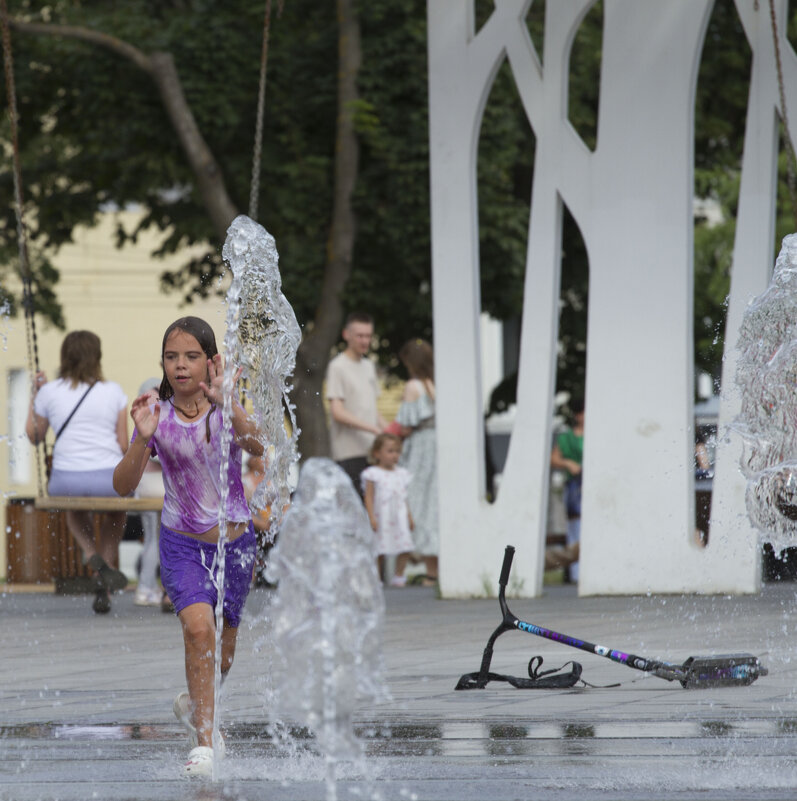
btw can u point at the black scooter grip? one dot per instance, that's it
(509, 554)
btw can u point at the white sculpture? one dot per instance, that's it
(632, 200)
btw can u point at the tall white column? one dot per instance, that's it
(632, 199)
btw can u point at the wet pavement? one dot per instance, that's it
(85, 705)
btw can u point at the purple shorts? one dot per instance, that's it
(188, 571)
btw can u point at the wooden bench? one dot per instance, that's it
(65, 503)
(40, 548)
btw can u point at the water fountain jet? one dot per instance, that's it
(328, 612)
(766, 376)
(261, 340)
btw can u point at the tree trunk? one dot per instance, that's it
(209, 179)
(321, 336)
(160, 67)
(317, 345)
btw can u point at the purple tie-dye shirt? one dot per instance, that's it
(191, 467)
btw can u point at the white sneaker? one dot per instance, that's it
(200, 762)
(182, 711)
(147, 597)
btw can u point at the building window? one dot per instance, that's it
(19, 450)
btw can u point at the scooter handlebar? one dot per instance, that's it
(509, 554)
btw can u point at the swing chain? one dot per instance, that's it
(24, 264)
(254, 190)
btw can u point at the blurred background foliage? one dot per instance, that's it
(95, 137)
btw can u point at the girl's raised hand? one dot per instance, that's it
(145, 418)
(214, 391)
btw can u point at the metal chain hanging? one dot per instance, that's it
(261, 98)
(22, 241)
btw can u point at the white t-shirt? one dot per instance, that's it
(89, 441)
(353, 382)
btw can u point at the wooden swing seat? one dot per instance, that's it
(99, 504)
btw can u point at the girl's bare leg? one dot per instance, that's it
(401, 563)
(110, 537)
(81, 528)
(199, 635)
(229, 637)
(431, 566)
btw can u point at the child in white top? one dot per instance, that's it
(385, 487)
(89, 416)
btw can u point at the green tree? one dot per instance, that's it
(720, 111)
(96, 134)
(180, 142)
(506, 172)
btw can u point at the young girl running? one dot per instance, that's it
(182, 426)
(385, 486)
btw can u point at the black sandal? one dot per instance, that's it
(106, 578)
(102, 602)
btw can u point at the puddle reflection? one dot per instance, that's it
(402, 740)
(717, 728)
(508, 740)
(578, 730)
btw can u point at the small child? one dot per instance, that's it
(385, 486)
(183, 427)
(261, 518)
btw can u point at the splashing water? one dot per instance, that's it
(328, 612)
(261, 337)
(766, 374)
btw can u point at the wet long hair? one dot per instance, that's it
(203, 333)
(81, 354)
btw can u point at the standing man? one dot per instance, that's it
(352, 390)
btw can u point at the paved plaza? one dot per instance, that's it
(85, 705)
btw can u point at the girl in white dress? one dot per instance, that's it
(385, 488)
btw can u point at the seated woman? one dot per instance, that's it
(89, 416)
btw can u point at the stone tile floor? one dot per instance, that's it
(85, 705)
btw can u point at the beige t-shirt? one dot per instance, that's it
(353, 382)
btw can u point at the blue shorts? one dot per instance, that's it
(83, 483)
(188, 571)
